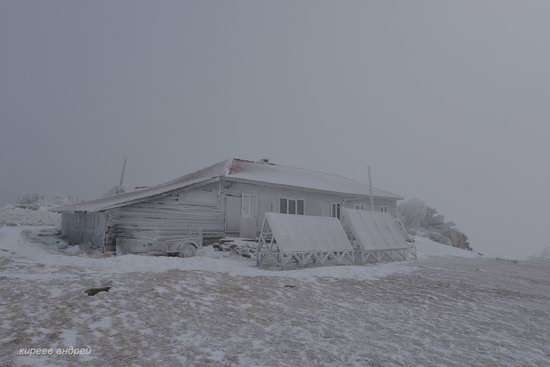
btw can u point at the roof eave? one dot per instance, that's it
(70, 209)
(243, 180)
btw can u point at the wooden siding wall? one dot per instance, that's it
(318, 204)
(166, 218)
(84, 228)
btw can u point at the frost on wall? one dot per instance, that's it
(423, 220)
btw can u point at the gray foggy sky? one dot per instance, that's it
(448, 101)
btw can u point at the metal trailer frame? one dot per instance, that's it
(363, 256)
(156, 247)
(269, 253)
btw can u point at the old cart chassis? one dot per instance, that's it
(151, 246)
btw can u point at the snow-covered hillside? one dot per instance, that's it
(40, 200)
(14, 216)
(448, 308)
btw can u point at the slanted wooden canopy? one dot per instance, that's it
(377, 236)
(300, 240)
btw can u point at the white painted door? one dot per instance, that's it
(233, 214)
(249, 213)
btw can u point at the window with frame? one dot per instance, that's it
(384, 209)
(249, 206)
(335, 210)
(360, 206)
(291, 206)
(198, 198)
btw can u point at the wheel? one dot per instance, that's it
(187, 250)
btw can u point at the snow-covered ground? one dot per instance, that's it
(427, 248)
(219, 309)
(13, 216)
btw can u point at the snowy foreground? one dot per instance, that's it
(458, 310)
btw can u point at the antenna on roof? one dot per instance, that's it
(370, 191)
(123, 171)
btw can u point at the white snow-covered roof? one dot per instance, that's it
(301, 178)
(304, 233)
(117, 200)
(242, 171)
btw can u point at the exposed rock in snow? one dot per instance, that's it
(421, 220)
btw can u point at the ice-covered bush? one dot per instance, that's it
(423, 220)
(36, 201)
(543, 256)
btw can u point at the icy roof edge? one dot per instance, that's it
(197, 178)
(350, 194)
(217, 171)
(386, 194)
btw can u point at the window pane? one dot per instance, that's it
(292, 207)
(300, 207)
(283, 206)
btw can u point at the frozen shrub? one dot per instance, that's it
(423, 220)
(29, 201)
(543, 256)
(36, 201)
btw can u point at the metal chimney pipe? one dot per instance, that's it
(123, 171)
(370, 191)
